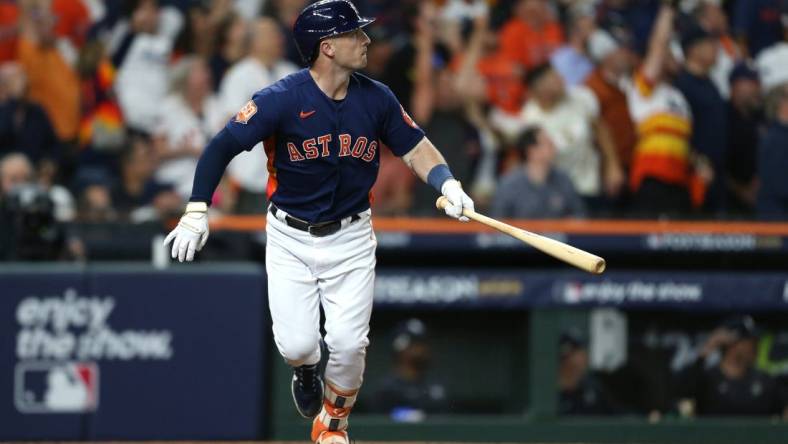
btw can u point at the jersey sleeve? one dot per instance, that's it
(400, 132)
(257, 120)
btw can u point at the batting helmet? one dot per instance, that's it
(326, 18)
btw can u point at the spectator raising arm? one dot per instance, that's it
(423, 99)
(657, 54)
(468, 76)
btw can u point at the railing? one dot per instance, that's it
(569, 226)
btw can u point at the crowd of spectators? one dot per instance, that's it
(543, 108)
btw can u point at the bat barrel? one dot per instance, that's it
(559, 250)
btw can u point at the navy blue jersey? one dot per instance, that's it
(324, 154)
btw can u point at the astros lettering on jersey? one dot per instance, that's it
(323, 154)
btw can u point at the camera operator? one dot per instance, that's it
(28, 229)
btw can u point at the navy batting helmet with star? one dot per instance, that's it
(326, 18)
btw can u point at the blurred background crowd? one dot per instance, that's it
(543, 108)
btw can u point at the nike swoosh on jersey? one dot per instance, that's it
(304, 115)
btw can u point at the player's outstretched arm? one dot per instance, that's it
(429, 165)
(191, 234)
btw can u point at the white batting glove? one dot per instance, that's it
(191, 234)
(457, 198)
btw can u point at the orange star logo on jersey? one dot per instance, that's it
(246, 113)
(407, 118)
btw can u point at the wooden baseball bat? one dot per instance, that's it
(559, 250)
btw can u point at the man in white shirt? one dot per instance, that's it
(263, 66)
(142, 47)
(772, 62)
(571, 119)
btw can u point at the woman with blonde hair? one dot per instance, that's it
(187, 118)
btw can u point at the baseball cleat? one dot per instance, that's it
(307, 390)
(338, 437)
(330, 425)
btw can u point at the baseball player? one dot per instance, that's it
(322, 128)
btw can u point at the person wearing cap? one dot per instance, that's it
(614, 62)
(708, 108)
(580, 393)
(407, 393)
(745, 114)
(731, 386)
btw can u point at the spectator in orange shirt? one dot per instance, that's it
(52, 82)
(484, 64)
(532, 34)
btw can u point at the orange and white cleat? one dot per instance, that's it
(327, 437)
(330, 425)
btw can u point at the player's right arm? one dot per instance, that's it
(256, 121)
(429, 165)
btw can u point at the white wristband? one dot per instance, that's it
(196, 207)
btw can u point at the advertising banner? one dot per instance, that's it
(126, 352)
(631, 290)
(599, 243)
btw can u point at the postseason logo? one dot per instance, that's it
(56, 387)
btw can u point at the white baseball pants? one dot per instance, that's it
(337, 271)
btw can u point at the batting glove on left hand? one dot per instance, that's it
(191, 234)
(457, 198)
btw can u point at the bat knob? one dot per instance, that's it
(442, 203)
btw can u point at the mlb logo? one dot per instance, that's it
(56, 387)
(573, 291)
